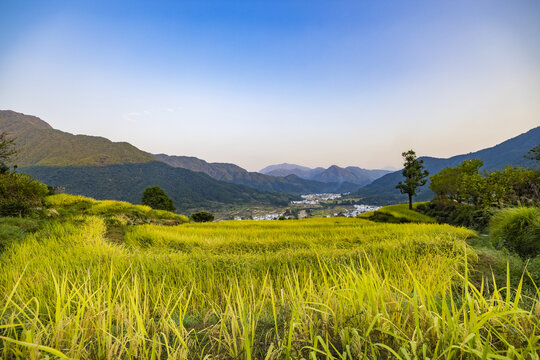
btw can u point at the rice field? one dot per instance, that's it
(335, 288)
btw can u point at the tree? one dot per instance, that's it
(19, 193)
(156, 198)
(202, 216)
(7, 151)
(534, 153)
(414, 174)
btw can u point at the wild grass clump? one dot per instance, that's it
(312, 289)
(518, 230)
(76, 205)
(66, 200)
(398, 214)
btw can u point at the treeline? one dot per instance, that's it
(465, 183)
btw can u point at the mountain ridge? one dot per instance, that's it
(510, 152)
(97, 167)
(235, 174)
(334, 173)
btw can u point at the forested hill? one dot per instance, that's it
(291, 184)
(39, 144)
(510, 152)
(100, 168)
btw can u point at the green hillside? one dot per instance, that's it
(510, 152)
(189, 190)
(97, 167)
(39, 144)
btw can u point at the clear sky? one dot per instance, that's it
(263, 82)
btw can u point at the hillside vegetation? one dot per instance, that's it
(319, 288)
(508, 153)
(398, 214)
(189, 190)
(102, 169)
(38, 144)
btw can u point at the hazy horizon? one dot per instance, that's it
(262, 83)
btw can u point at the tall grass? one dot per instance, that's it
(400, 213)
(324, 288)
(74, 205)
(517, 229)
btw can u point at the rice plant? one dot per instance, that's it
(314, 289)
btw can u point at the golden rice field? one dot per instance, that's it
(334, 288)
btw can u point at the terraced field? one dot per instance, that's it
(335, 288)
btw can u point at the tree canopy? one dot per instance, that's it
(7, 151)
(202, 216)
(156, 198)
(414, 173)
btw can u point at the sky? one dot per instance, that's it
(316, 83)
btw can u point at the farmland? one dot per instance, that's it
(334, 288)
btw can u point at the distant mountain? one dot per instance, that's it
(510, 152)
(334, 174)
(289, 183)
(97, 167)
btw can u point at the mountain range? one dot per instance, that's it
(97, 167)
(287, 183)
(349, 174)
(508, 153)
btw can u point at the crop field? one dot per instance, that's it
(332, 288)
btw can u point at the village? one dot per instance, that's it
(315, 205)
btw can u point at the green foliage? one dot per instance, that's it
(534, 153)
(14, 229)
(7, 151)
(156, 198)
(414, 174)
(458, 214)
(190, 191)
(19, 194)
(202, 216)
(465, 183)
(517, 229)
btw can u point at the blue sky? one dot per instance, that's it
(262, 82)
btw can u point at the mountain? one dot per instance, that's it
(510, 152)
(334, 174)
(290, 183)
(39, 144)
(97, 167)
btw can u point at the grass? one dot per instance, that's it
(517, 229)
(334, 288)
(398, 214)
(75, 205)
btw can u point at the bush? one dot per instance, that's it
(19, 194)
(156, 198)
(453, 213)
(202, 216)
(518, 230)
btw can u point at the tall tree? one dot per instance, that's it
(7, 152)
(414, 173)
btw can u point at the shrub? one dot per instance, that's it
(202, 216)
(518, 230)
(453, 213)
(156, 198)
(19, 194)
